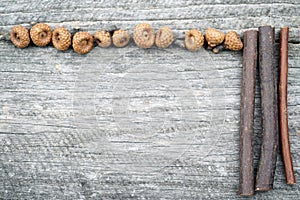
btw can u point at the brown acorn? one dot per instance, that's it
(214, 37)
(164, 37)
(41, 34)
(193, 40)
(61, 39)
(19, 36)
(233, 41)
(144, 36)
(82, 42)
(121, 38)
(102, 38)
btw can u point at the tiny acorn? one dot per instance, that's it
(233, 41)
(82, 42)
(144, 36)
(193, 40)
(214, 37)
(61, 38)
(41, 34)
(120, 38)
(103, 38)
(19, 36)
(164, 37)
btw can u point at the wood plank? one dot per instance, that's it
(133, 123)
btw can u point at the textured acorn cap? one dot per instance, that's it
(19, 36)
(214, 37)
(121, 38)
(193, 40)
(144, 36)
(41, 34)
(233, 41)
(103, 38)
(164, 37)
(82, 42)
(61, 39)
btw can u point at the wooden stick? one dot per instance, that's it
(268, 154)
(283, 112)
(246, 185)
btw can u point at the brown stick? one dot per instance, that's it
(246, 185)
(268, 154)
(283, 112)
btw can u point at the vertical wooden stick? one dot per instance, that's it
(283, 112)
(268, 154)
(246, 185)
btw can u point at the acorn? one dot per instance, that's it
(233, 41)
(120, 38)
(214, 37)
(144, 36)
(164, 37)
(19, 36)
(102, 38)
(41, 34)
(193, 40)
(61, 38)
(82, 42)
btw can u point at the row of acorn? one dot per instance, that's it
(144, 37)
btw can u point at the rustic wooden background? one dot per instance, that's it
(131, 123)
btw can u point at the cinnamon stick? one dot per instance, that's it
(268, 154)
(246, 184)
(283, 111)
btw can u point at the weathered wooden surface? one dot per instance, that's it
(132, 123)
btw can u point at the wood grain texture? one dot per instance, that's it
(131, 123)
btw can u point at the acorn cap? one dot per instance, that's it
(19, 36)
(103, 38)
(41, 34)
(144, 36)
(121, 38)
(233, 41)
(61, 38)
(82, 42)
(164, 37)
(193, 40)
(214, 37)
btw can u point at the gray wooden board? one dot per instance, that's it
(131, 123)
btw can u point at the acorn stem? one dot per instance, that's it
(179, 43)
(219, 48)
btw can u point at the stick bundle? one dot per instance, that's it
(283, 113)
(267, 162)
(246, 185)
